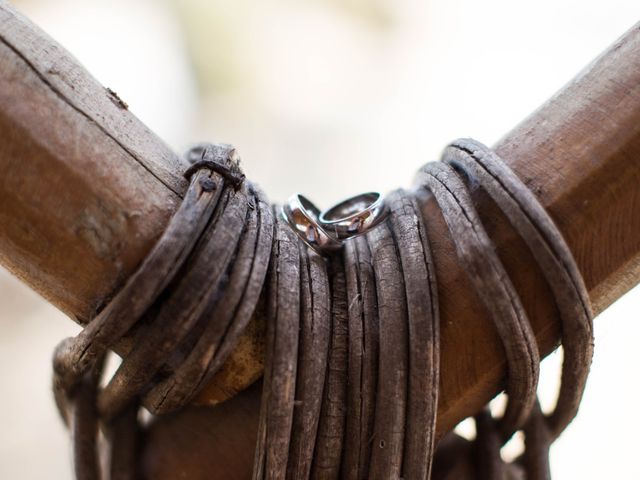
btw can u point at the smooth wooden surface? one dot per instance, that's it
(86, 189)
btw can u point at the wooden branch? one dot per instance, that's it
(86, 190)
(580, 154)
(86, 187)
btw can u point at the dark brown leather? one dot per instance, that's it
(352, 367)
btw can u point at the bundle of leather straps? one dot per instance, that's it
(352, 369)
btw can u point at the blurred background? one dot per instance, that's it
(329, 98)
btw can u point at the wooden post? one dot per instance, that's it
(86, 189)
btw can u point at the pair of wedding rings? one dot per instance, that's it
(326, 231)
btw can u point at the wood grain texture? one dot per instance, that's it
(580, 155)
(86, 189)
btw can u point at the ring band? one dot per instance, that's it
(354, 216)
(302, 216)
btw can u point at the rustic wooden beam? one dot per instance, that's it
(86, 189)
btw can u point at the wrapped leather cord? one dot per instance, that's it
(352, 368)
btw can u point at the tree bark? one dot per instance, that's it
(86, 189)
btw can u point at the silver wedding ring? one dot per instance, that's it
(325, 232)
(302, 216)
(354, 216)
